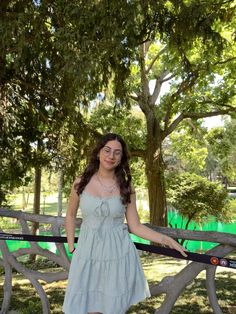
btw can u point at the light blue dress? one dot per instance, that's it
(105, 274)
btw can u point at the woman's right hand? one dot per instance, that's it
(173, 245)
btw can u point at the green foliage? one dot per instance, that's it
(118, 119)
(232, 207)
(195, 56)
(188, 148)
(7, 224)
(198, 199)
(194, 148)
(55, 58)
(221, 151)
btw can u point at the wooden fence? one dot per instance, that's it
(171, 286)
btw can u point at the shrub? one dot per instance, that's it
(198, 199)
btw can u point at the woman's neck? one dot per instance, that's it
(106, 174)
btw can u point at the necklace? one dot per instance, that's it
(108, 189)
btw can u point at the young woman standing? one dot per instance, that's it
(105, 273)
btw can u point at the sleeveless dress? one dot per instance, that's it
(105, 273)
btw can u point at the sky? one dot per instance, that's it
(213, 122)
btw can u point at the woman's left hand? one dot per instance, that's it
(173, 245)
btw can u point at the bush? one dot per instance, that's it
(198, 199)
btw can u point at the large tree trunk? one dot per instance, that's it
(155, 174)
(156, 192)
(154, 161)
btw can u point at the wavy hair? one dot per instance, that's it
(122, 171)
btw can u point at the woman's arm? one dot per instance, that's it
(144, 232)
(71, 216)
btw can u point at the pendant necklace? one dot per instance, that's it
(108, 189)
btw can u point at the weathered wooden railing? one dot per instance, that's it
(171, 286)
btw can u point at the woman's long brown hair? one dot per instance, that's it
(122, 171)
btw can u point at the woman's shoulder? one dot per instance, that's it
(76, 182)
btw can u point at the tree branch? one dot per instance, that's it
(145, 94)
(199, 115)
(168, 78)
(173, 126)
(157, 88)
(146, 46)
(167, 116)
(35, 88)
(194, 115)
(155, 59)
(225, 61)
(184, 85)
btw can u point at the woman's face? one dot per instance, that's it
(110, 155)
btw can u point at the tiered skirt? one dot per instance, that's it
(106, 274)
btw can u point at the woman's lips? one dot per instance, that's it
(110, 162)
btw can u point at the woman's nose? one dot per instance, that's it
(112, 154)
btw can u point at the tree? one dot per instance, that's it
(221, 152)
(187, 149)
(195, 53)
(32, 101)
(53, 60)
(198, 199)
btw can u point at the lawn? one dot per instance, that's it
(48, 207)
(193, 301)
(48, 203)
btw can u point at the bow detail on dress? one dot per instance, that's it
(102, 210)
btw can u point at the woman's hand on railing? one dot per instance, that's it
(171, 243)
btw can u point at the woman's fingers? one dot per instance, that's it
(182, 251)
(175, 245)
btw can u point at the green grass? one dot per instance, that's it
(48, 207)
(192, 301)
(48, 203)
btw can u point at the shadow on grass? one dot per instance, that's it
(26, 301)
(152, 260)
(193, 300)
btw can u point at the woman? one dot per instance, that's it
(105, 273)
